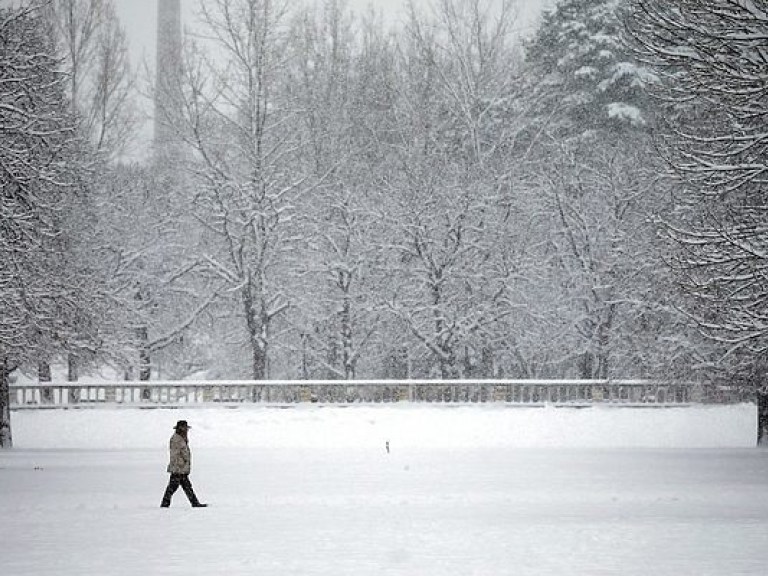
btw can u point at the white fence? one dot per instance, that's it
(517, 392)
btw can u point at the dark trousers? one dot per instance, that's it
(173, 485)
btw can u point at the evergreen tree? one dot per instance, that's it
(597, 173)
(587, 80)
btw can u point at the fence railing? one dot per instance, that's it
(518, 392)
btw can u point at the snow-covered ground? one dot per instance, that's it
(480, 490)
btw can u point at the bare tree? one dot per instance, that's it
(605, 254)
(92, 49)
(710, 63)
(95, 53)
(42, 301)
(336, 268)
(596, 171)
(238, 117)
(455, 125)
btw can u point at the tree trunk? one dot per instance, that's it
(347, 343)
(142, 333)
(448, 369)
(263, 340)
(469, 367)
(586, 366)
(253, 322)
(6, 439)
(603, 341)
(304, 365)
(145, 357)
(43, 372)
(487, 363)
(72, 368)
(331, 360)
(447, 356)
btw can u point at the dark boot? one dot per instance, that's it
(187, 487)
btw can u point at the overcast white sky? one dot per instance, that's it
(139, 16)
(139, 19)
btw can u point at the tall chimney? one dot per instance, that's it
(167, 71)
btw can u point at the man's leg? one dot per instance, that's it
(186, 485)
(173, 485)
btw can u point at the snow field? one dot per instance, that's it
(404, 425)
(313, 491)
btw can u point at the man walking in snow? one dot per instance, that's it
(180, 466)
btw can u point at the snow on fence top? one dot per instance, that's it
(237, 392)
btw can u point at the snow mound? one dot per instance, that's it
(406, 425)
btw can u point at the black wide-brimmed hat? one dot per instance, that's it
(182, 424)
